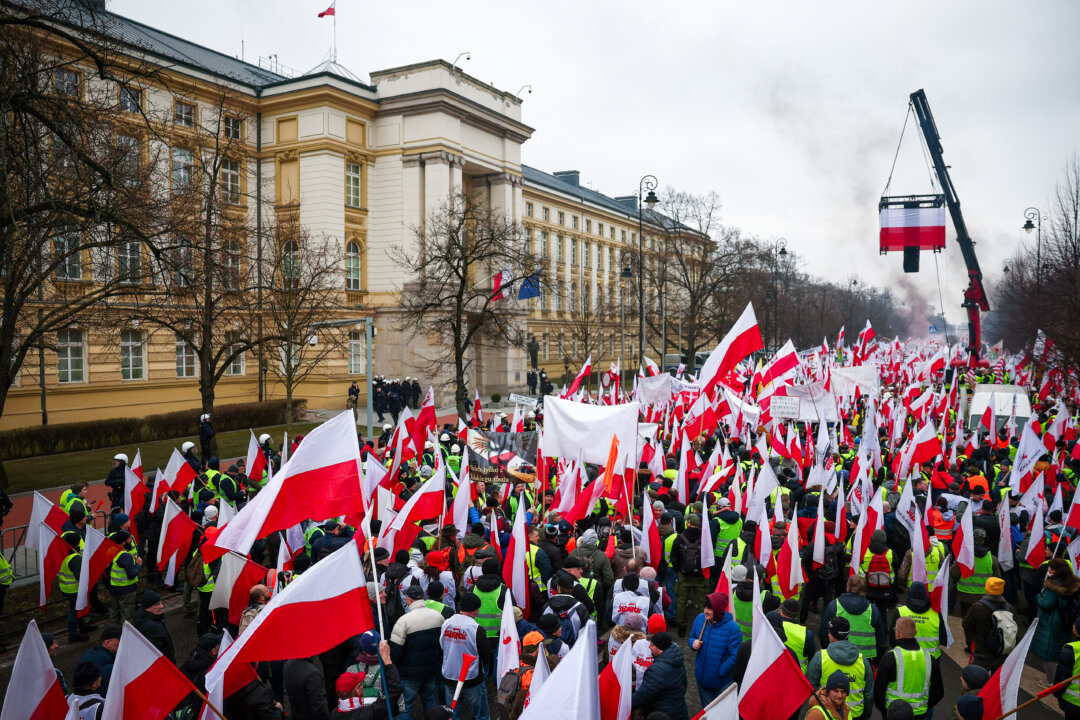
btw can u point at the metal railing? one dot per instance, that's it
(13, 539)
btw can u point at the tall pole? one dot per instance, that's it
(369, 337)
(647, 183)
(779, 251)
(1032, 213)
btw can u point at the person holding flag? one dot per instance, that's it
(716, 638)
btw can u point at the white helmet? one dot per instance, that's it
(204, 417)
(187, 446)
(264, 438)
(530, 414)
(387, 426)
(121, 456)
(427, 444)
(455, 448)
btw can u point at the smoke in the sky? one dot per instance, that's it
(915, 311)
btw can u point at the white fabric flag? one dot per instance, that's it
(572, 429)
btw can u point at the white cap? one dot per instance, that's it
(455, 448)
(427, 444)
(264, 438)
(724, 502)
(387, 426)
(445, 437)
(121, 456)
(187, 446)
(204, 416)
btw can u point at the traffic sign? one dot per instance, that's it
(933, 329)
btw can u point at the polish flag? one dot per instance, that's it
(649, 368)
(320, 481)
(922, 228)
(329, 10)
(136, 465)
(783, 363)
(478, 412)
(500, 285)
(919, 541)
(939, 597)
(514, 569)
(256, 459)
(989, 418)
(651, 544)
(49, 562)
(724, 707)
(425, 421)
(217, 692)
(682, 481)
(426, 503)
(331, 596)
(585, 371)
(44, 512)
(178, 473)
(509, 653)
(707, 557)
(98, 552)
(1028, 452)
(401, 445)
(775, 686)
(743, 339)
(375, 476)
(232, 586)
(144, 683)
(134, 499)
(40, 696)
(1036, 550)
(177, 531)
(617, 686)
(963, 544)
(924, 447)
(869, 521)
(1005, 545)
(159, 489)
(840, 519)
(573, 688)
(999, 695)
(788, 564)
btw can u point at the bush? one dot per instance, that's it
(74, 437)
(496, 398)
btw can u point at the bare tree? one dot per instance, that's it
(590, 328)
(449, 295)
(302, 293)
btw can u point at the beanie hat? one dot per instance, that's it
(662, 640)
(85, 674)
(369, 642)
(975, 676)
(150, 599)
(657, 624)
(381, 554)
(738, 573)
(48, 639)
(111, 632)
(209, 641)
(469, 602)
(838, 680)
(917, 591)
(790, 607)
(210, 514)
(901, 710)
(995, 586)
(78, 513)
(435, 559)
(549, 623)
(414, 592)
(839, 628)
(490, 567)
(119, 519)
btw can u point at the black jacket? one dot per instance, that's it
(886, 673)
(153, 629)
(306, 691)
(254, 701)
(680, 551)
(194, 668)
(663, 687)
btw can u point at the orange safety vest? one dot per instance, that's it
(943, 529)
(978, 481)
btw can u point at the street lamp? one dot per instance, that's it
(779, 253)
(647, 183)
(1033, 214)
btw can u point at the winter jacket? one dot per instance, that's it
(680, 550)
(720, 645)
(855, 605)
(843, 652)
(153, 629)
(817, 710)
(887, 674)
(593, 556)
(1052, 632)
(194, 669)
(414, 643)
(979, 621)
(104, 659)
(663, 686)
(254, 701)
(306, 690)
(623, 555)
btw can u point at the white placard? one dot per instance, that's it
(523, 400)
(782, 406)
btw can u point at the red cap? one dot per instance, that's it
(348, 682)
(656, 624)
(436, 559)
(211, 532)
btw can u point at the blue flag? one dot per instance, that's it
(530, 288)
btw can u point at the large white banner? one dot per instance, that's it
(572, 429)
(654, 390)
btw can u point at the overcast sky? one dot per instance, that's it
(790, 110)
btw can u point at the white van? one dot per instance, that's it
(1004, 396)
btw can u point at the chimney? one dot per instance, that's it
(571, 176)
(628, 201)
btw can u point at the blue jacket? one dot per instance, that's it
(720, 645)
(104, 660)
(663, 686)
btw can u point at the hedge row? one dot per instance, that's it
(73, 437)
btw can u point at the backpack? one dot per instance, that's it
(194, 573)
(879, 573)
(1002, 637)
(691, 557)
(831, 569)
(509, 696)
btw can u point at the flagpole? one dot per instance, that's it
(1042, 693)
(206, 700)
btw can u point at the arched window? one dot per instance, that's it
(352, 266)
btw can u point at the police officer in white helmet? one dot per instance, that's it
(116, 480)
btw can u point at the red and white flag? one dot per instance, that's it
(329, 11)
(743, 339)
(177, 532)
(98, 552)
(178, 473)
(478, 412)
(788, 565)
(651, 542)
(320, 481)
(617, 687)
(144, 684)
(136, 465)
(1028, 452)
(585, 371)
(707, 558)
(509, 653)
(724, 707)
(923, 228)
(39, 695)
(500, 285)
(648, 368)
(232, 586)
(425, 421)
(255, 463)
(963, 543)
(989, 418)
(1005, 544)
(999, 694)
(573, 689)
(331, 596)
(1036, 550)
(134, 498)
(49, 562)
(43, 512)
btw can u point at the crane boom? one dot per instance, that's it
(975, 300)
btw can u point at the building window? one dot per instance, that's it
(547, 347)
(290, 265)
(66, 82)
(70, 356)
(184, 114)
(230, 181)
(543, 298)
(543, 244)
(573, 297)
(231, 268)
(129, 160)
(624, 236)
(352, 185)
(559, 296)
(588, 226)
(352, 266)
(528, 210)
(611, 258)
(573, 251)
(130, 99)
(233, 127)
(183, 170)
(574, 220)
(129, 261)
(546, 214)
(600, 229)
(587, 253)
(68, 255)
(611, 232)
(183, 263)
(132, 355)
(559, 248)
(357, 352)
(233, 341)
(562, 219)
(185, 358)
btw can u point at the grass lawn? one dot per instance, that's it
(51, 471)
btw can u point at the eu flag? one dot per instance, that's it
(530, 288)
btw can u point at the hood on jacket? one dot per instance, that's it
(472, 542)
(854, 604)
(718, 603)
(744, 591)
(672, 656)
(777, 621)
(487, 583)
(588, 540)
(729, 516)
(878, 546)
(918, 598)
(980, 551)
(843, 652)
